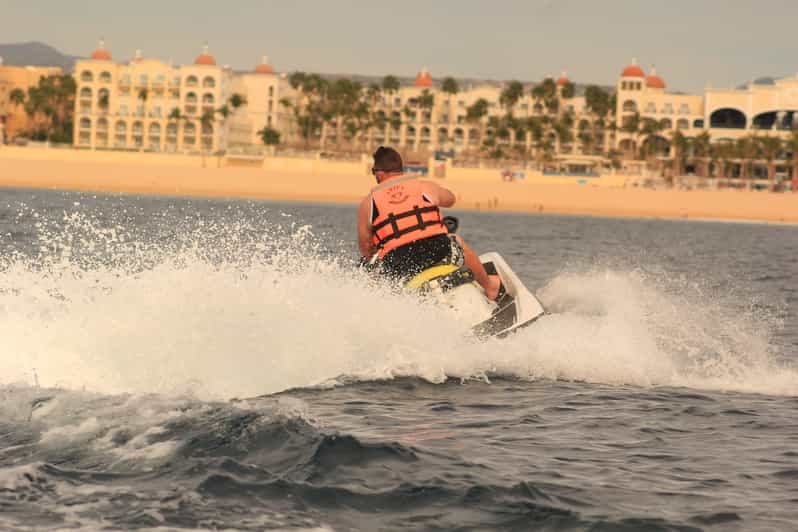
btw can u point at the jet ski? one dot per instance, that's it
(455, 287)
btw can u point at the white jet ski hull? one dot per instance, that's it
(517, 308)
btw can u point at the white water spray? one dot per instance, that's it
(236, 310)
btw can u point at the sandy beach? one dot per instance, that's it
(323, 181)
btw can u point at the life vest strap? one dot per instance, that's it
(396, 232)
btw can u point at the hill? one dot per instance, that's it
(35, 54)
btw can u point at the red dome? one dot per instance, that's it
(633, 71)
(101, 54)
(264, 67)
(655, 82)
(205, 59)
(423, 79)
(563, 80)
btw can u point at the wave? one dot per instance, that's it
(231, 307)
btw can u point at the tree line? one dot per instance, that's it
(723, 158)
(50, 105)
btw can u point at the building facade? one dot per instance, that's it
(146, 104)
(725, 114)
(262, 90)
(13, 118)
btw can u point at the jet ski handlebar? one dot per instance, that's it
(451, 223)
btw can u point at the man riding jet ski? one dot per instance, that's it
(402, 234)
(401, 222)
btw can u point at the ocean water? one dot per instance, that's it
(170, 363)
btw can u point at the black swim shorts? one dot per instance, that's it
(410, 259)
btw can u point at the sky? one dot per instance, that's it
(693, 43)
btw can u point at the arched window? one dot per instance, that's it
(443, 135)
(191, 81)
(727, 118)
(138, 128)
(171, 130)
(121, 127)
(207, 130)
(191, 98)
(411, 132)
(627, 146)
(208, 82)
(629, 106)
(103, 98)
(85, 123)
(666, 123)
(102, 125)
(154, 129)
(85, 93)
(473, 136)
(425, 133)
(698, 123)
(682, 123)
(190, 129)
(458, 136)
(208, 99)
(86, 76)
(105, 76)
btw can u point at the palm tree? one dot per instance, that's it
(450, 87)
(390, 84)
(701, 149)
(236, 100)
(103, 102)
(650, 130)
(206, 124)
(308, 110)
(535, 128)
(510, 96)
(176, 117)
(426, 100)
(679, 147)
(631, 126)
(770, 148)
(723, 151)
(50, 104)
(475, 114)
(746, 150)
(269, 136)
(17, 96)
(792, 145)
(568, 90)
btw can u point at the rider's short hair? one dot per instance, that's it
(388, 160)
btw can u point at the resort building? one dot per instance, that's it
(262, 90)
(13, 118)
(422, 117)
(726, 114)
(146, 104)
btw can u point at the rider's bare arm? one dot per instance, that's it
(442, 196)
(364, 241)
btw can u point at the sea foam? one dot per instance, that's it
(240, 308)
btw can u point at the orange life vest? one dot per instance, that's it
(402, 213)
